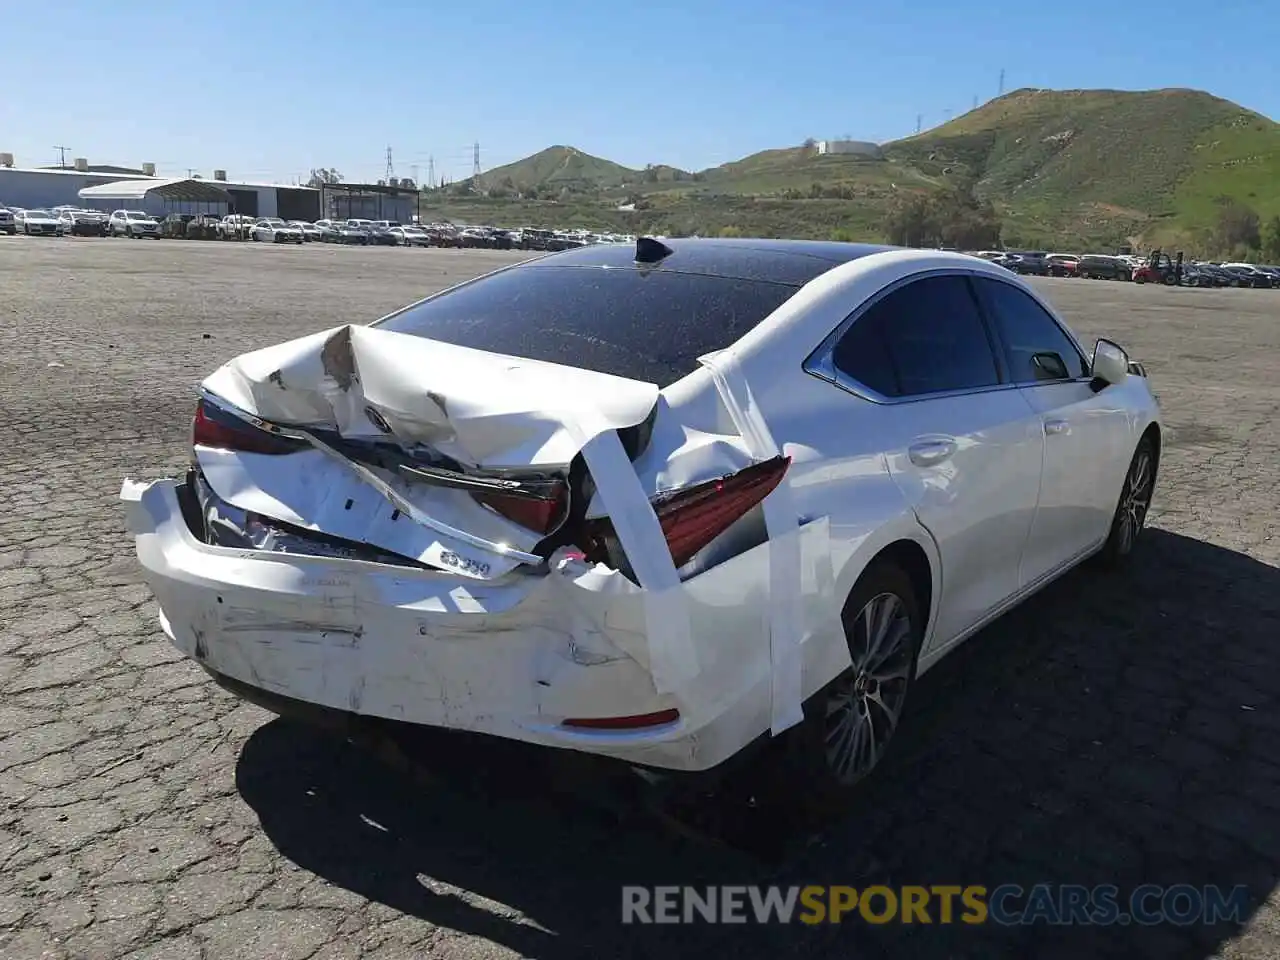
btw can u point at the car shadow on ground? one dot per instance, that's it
(1116, 729)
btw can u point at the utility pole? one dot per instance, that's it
(431, 171)
(1002, 81)
(919, 120)
(475, 161)
(975, 101)
(63, 151)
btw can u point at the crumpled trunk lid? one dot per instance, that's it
(360, 387)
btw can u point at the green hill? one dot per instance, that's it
(1062, 167)
(1160, 160)
(561, 166)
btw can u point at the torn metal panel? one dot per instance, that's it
(480, 408)
(477, 408)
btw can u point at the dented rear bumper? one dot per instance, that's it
(512, 657)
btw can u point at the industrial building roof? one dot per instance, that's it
(72, 172)
(184, 189)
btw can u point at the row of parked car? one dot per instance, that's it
(75, 221)
(1157, 267)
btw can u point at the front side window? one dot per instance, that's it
(1036, 348)
(925, 337)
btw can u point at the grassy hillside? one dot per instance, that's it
(561, 166)
(1154, 160)
(1063, 168)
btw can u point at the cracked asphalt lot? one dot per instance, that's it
(1116, 729)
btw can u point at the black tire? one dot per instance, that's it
(827, 745)
(1132, 506)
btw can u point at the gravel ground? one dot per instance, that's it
(1114, 729)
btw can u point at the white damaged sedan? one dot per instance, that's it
(655, 501)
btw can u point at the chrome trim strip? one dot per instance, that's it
(369, 477)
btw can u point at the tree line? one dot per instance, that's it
(954, 217)
(1241, 234)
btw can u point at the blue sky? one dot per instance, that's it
(282, 86)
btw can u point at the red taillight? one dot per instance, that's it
(693, 517)
(213, 428)
(640, 721)
(540, 516)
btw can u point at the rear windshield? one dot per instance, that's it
(644, 326)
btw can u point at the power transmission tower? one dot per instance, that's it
(919, 120)
(63, 151)
(475, 160)
(391, 170)
(975, 101)
(431, 171)
(1002, 81)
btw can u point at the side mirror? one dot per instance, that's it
(1110, 364)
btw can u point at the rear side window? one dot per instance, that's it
(649, 326)
(925, 337)
(1035, 346)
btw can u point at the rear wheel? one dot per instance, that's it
(1135, 501)
(849, 725)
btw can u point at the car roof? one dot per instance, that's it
(793, 262)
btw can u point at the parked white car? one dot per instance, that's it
(275, 230)
(410, 236)
(133, 223)
(310, 231)
(651, 502)
(235, 226)
(38, 223)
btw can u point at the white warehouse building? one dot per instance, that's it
(859, 148)
(36, 187)
(33, 187)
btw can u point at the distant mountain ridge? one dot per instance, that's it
(1054, 162)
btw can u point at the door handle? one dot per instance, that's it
(927, 453)
(1056, 427)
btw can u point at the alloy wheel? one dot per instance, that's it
(865, 704)
(1136, 499)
